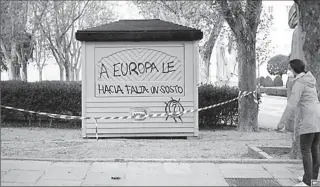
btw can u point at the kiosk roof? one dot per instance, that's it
(139, 30)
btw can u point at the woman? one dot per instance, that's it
(305, 100)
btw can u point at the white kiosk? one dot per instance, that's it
(133, 67)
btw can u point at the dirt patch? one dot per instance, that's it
(68, 144)
(277, 152)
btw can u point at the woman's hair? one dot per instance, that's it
(298, 66)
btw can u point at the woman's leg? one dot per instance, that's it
(306, 141)
(315, 150)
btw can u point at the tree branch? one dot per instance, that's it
(162, 2)
(238, 13)
(215, 31)
(236, 8)
(253, 12)
(74, 20)
(228, 16)
(52, 47)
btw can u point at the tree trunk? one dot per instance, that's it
(295, 152)
(40, 74)
(248, 110)
(71, 73)
(207, 65)
(24, 71)
(244, 26)
(61, 73)
(13, 65)
(77, 74)
(11, 70)
(309, 12)
(67, 70)
(289, 126)
(309, 20)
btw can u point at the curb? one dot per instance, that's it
(217, 161)
(258, 153)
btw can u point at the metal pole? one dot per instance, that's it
(96, 121)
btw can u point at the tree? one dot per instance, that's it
(11, 27)
(198, 14)
(59, 28)
(263, 41)
(59, 20)
(309, 12)
(308, 16)
(19, 21)
(243, 18)
(278, 65)
(3, 65)
(41, 53)
(263, 45)
(97, 13)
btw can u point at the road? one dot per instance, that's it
(271, 110)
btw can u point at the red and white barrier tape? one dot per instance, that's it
(241, 94)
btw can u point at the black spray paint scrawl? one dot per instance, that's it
(175, 107)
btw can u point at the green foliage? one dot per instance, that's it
(275, 91)
(263, 39)
(196, 14)
(222, 115)
(278, 81)
(52, 97)
(3, 65)
(268, 82)
(203, 15)
(65, 98)
(278, 65)
(261, 80)
(13, 18)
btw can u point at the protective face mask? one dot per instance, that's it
(290, 74)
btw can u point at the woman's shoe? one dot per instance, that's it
(301, 184)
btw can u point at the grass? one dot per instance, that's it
(36, 142)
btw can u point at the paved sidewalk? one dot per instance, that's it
(43, 173)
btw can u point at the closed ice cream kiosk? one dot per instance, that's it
(139, 67)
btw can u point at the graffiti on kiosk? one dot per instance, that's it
(139, 71)
(136, 90)
(134, 68)
(175, 107)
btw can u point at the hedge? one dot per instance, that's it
(223, 115)
(268, 82)
(262, 81)
(47, 96)
(65, 98)
(275, 91)
(278, 81)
